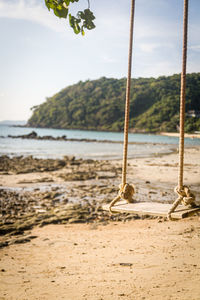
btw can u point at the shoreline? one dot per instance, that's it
(46, 188)
(131, 130)
(176, 134)
(94, 146)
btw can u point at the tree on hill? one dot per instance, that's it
(99, 105)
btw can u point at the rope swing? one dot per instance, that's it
(126, 191)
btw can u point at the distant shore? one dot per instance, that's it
(131, 130)
(176, 134)
(34, 135)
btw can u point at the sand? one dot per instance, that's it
(137, 259)
(176, 134)
(141, 259)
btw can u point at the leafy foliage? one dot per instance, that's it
(99, 105)
(83, 20)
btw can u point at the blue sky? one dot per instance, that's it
(40, 54)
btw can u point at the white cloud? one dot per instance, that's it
(151, 28)
(108, 59)
(159, 68)
(31, 11)
(195, 48)
(151, 47)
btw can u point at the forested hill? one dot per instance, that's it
(99, 104)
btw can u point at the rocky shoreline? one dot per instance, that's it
(89, 186)
(21, 210)
(38, 192)
(33, 135)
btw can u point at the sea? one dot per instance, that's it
(142, 145)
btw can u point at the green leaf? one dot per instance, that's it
(84, 19)
(62, 12)
(74, 23)
(67, 2)
(82, 31)
(56, 12)
(52, 5)
(89, 14)
(47, 4)
(71, 20)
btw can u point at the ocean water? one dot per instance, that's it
(144, 144)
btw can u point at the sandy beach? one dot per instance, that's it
(85, 253)
(190, 135)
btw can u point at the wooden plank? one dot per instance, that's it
(152, 209)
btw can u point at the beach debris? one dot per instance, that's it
(126, 264)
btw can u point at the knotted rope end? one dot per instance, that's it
(185, 197)
(126, 192)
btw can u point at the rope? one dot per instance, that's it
(127, 109)
(125, 192)
(187, 198)
(128, 86)
(182, 95)
(184, 195)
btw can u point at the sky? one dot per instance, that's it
(40, 54)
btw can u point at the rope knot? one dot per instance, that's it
(126, 192)
(186, 197)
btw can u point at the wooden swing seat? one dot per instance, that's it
(151, 209)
